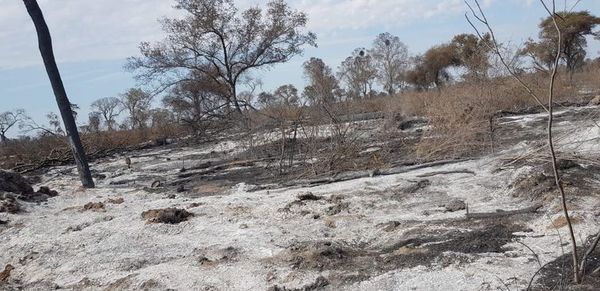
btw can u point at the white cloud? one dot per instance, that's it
(85, 30)
(82, 30)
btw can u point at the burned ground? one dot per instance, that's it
(485, 223)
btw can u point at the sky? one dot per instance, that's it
(92, 39)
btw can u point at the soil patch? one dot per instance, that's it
(14, 183)
(558, 274)
(167, 215)
(539, 184)
(345, 260)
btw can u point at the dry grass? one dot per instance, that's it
(460, 114)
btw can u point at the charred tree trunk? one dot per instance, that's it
(45, 46)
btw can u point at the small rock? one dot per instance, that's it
(330, 223)
(243, 226)
(390, 226)
(195, 204)
(180, 189)
(455, 205)
(308, 196)
(47, 191)
(167, 215)
(93, 206)
(422, 184)
(156, 184)
(119, 200)
(337, 208)
(9, 203)
(172, 196)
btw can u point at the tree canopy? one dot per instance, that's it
(218, 42)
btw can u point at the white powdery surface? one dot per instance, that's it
(57, 244)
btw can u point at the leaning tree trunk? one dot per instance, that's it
(45, 46)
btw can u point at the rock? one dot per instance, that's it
(455, 205)
(99, 176)
(195, 204)
(93, 206)
(243, 226)
(422, 184)
(595, 101)
(167, 215)
(390, 226)
(180, 189)
(308, 196)
(9, 203)
(337, 208)
(47, 191)
(330, 223)
(156, 184)
(119, 200)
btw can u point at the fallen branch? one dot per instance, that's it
(347, 176)
(503, 213)
(463, 171)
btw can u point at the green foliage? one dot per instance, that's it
(574, 27)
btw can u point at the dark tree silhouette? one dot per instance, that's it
(45, 46)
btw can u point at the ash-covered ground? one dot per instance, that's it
(488, 223)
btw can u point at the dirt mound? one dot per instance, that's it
(14, 183)
(167, 215)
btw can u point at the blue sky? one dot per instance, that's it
(93, 38)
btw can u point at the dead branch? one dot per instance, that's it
(462, 171)
(503, 213)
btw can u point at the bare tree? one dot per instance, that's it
(109, 108)
(323, 86)
(45, 46)
(220, 43)
(287, 95)
(53, 127)
(359, 73)
(94, 121)
(554, 18)
(9, 119)
(137, 103)
(391, 60)
(195, 103)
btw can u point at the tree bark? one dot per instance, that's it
(45, 46)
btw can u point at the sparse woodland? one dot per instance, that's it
(382, 109)
(200, 81)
